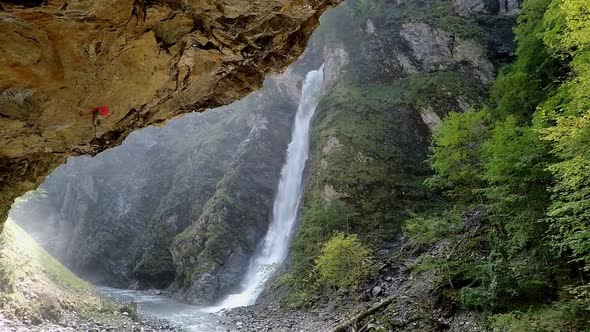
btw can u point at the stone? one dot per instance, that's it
(430, 46)
(430, 118)
(376, 291)
(469, 8)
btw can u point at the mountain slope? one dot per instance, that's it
(36, 287)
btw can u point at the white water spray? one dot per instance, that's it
(274, 248)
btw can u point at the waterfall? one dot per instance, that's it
(273, 250)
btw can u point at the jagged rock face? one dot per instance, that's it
(405, 69)
(212, 255)
(435, 49)
(148, 61)
(111, 220)
(468, 8)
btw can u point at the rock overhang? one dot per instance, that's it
(148, 61)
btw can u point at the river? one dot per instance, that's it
(191, 318)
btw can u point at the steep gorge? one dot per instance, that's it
(211, 166)
(389, 81)
(395, 72)
(398, 71)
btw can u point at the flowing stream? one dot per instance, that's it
(189, 317)
(274, 248)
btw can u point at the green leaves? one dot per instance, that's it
(343, 262)
(569, 212)
(567, 27)
(525, 161)
(456, 151)
(426, 229)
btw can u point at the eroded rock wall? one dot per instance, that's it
(148, 61)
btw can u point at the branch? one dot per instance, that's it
(362, 315)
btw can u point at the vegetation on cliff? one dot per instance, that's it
(111, 220)
(503, 230)
(521, 164)
(370, 139)
(489, 223)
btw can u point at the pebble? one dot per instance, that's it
(376, 291)
(72, 321)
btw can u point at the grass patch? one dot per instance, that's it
(562, 316)
(423, 230)
(36, 285)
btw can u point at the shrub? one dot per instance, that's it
(130, 309)
(568, 214)
(426, 229)
(563, 316)
(343, 263)
(456, 151)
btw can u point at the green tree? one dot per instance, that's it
(456, 156)
(569, 213)
(515, 170)
(523, 85)
(567, 117)
(567, 27)
(529, 158)
(343, 262)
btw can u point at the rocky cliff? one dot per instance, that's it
(392, 72)
(102, 216)
(113, 221)
(148, 61)
(400, 68)
(212, 254)
(397, 71)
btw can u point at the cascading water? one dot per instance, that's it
(274, 248)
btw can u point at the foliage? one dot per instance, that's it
(524, 163)
(131, 310)
(563, 316)
(567, 117)
(567, 27)
(520, 87)
(319, 222)
(343, 262)
(438, 13)
(455, 155)
(569, 212)
(300, 294)
(516, 170)
(515, 162)
(22, 260)
(426, 229)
